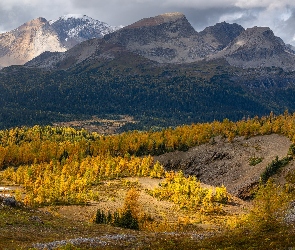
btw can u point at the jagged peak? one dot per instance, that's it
(172, 15)
(36, 21)
(76, 16)
(157, 20)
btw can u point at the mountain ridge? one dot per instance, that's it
(167, 38)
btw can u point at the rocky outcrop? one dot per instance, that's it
(28, 41)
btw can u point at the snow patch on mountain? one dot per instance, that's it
(76, 28)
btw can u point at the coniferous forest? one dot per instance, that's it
(155, 95)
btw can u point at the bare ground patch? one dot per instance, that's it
(228, 163)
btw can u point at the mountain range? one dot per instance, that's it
(159, 70)
(170, 38)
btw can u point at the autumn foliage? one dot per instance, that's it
(60, 165)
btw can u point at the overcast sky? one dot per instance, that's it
(279, 15)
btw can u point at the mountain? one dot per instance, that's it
(258, 47)
(170, 38)
(28, 41)
(221, 34)
(73, 29)
(167, 38)
(39, 35)
(87, 54)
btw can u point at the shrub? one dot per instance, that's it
(188, 193)
(127, 217)
(254, 160)
(273, 167)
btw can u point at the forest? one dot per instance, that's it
(154, 95)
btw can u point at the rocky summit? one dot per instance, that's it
(74, 29)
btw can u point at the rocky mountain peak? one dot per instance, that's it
(262, 36)
(167, 38)
(35, 23)
(76, 28)
(221, 34)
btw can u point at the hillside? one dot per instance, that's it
(223, 163)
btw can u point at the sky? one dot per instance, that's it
(279, 15)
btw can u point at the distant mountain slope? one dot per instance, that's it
(90, 53)
(153, 94)
(258, 47)
(37, 36)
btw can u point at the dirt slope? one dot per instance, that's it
(221, 162)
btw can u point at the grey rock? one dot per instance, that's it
(36, 219)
